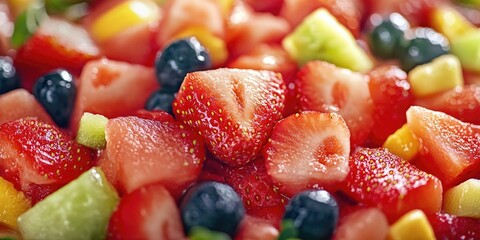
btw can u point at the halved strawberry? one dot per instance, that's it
(324, 87)
(20, 103)
(147, 213)
(381, 179)
(449, 147)
(39, 153)
(212, 170)
(56, 44)
(308, 150)
(233, 110)
(462, 103)
(253, 228)
(389, 89)
(448, 226)
(141, 152)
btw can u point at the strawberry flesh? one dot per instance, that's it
(448, 226)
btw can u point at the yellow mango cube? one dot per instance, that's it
(403, 143)
(463, 199)
(450, 22)
(414, 225)
(12, 203)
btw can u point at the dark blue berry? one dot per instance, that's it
(56, 92)
(314, 214)
(422, 45)
(179, 58)
(9, 79)
(387, 34)
(160, 100)
(214, 206)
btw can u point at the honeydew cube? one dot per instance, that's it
(91, 132)
(463, 199)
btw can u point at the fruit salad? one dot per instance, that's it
(239, 119)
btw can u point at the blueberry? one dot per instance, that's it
(160, 100)
(387, 34)
(9, 79)
(314, 214)
(56, 92)
(422, 45)
(179, 58)
(214, 206)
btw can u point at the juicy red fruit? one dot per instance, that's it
(381, 179)
(448, 226)
(233, 110)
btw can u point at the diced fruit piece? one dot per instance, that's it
(312, 215)
(20, 103)
(56, 91)
(161, 100)
(326, 88)
(335, 45)
(233, 110)
(449, 147)
(91, 132)
(449, 22)
(272, 6)
(412, 225)
(448, 226)
(12, 203)
(387, 34)
(9, 78)
(381, 179)
(179, 58)
(308, 150)
(40, 153)
(467, 49)
(103, 86)
(79, 210)
(422, 45)
(442, 74)
(464, 199)
(171, 155)
(363, 224)
(214, 206)
(255, 228)
(462, 103)
(123, 16)
(403, 143)
(390, 92)
(147, 213)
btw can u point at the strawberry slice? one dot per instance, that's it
(233, 110)
(381, 179)
(462, 103)
(147, 213)
(324, 87)
(308, 150)
(449, 147)
(39, 153)
(448, 226)
(389, 89)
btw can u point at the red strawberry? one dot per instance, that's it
(381, 179)
(147, 213)
(462, 103)
(39, 153)
(212, 170)
(253, 228)
(308, 150)
(233, 110)
(389, 89)
(254, 186)
(449, 147)
(326, 88)
(448, 226)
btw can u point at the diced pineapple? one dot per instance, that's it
(443, 73)
(403, 143)
(214, 45)
(450, 23)
(467, 49)
(123, 16)
(412, 226)
(91, 132)
(12, 203)
(464, 199)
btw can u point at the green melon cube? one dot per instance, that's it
(91, 132)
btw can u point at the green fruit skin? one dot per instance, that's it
(321, 37)
(79, 210)
(467, 49)
(91, 131)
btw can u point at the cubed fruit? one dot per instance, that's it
(464, 199)
(403, 143)
(12, 203)
(450, 22)
(335, 45)
(412, 225)
(91, 132)
(362, 224)
(79, 210)
(20, 103)
(443, 73)
(448, 226)
(467, 49)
